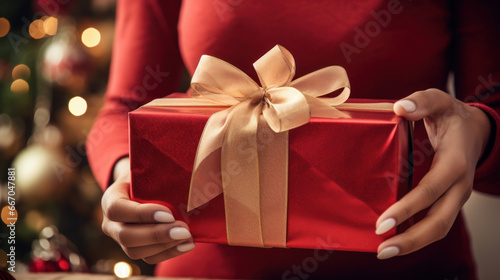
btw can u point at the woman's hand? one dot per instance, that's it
(144, 231)
(458, 134)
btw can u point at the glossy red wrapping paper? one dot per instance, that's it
(342, 174)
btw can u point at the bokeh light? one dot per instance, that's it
(8, 215)
(77, 106)
(50, 25)
(21, 71)
(63, 264)
(74, 259)
(122, 270)
(36, 29)
(47, 232)
(55, 53)
(41, 117)
(36, 221)
(19, 86)
(44, 243)
(4, 26)
(91, 37)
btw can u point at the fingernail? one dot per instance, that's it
(385, 226)
(179, 233)
(184, 247)
(408, 105)
(163, 217)
(388, 252)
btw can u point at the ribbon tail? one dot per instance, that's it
(240, 177)
(273, 170)
(379, 106)
(184, 102)
(320, 109)
(206, 181)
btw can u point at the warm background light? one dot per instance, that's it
(21, 71)
(4, 27)
(19, 86)
(8, 216)
(55, 54)
(50, 26)
(122, 270)
(77, 106)
(91, 37)
(36, 29)
(36, 221)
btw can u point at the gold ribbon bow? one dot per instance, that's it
(247, 144)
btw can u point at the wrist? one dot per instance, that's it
(484, 125)
(121, 168)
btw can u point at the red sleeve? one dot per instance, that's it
(146, 64)
(476, 65)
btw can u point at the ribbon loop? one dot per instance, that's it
(276, 68)
(324, 81)
(223, 83)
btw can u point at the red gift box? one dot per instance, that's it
(273, 165)
(343, 173)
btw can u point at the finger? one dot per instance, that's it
(142, 252)
(432, 228)
(433, 185)
(134, 235)
(117, 206)
(422, 104)
(170, 253)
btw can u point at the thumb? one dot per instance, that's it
(423, 104)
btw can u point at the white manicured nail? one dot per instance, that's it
(388, 252)
(408, 105)
(385, 226)
(184, 247)
(163, 217)
(179, 233)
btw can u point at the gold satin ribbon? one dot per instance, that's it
(247, 144)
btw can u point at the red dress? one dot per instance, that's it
(389, 48)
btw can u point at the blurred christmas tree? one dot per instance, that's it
(54, 60)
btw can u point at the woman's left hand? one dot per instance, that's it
(458, 133)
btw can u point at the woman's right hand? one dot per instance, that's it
(144, 231)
